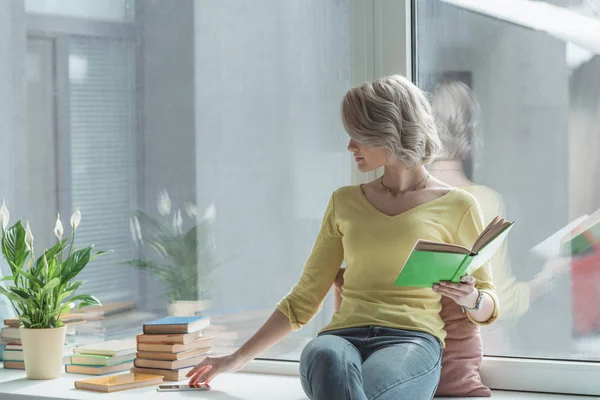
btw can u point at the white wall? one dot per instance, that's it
(270, 146)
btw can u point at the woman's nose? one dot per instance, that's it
(352, 146)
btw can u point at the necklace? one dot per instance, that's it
(412, 188)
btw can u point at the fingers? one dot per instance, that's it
(469, 280)
(200, 375)
(205, 363)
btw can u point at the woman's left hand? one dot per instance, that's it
(464, 294)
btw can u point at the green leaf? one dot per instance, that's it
(25, 320)
(75, 263)
(73, 286)
(21, 293)
(100, 253)
(51, 285)
(50, 254)
(30, 278)
(8, 278)
(14, 247)
(86, 300)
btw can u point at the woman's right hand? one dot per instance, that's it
(213, 366)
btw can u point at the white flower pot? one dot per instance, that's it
(43, 352)
(184, 308)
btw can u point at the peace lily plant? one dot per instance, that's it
(41, 289)
(182, 259)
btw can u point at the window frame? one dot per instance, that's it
(382, 46)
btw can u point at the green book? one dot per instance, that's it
(583, 237)
(97, 360)
(432, 262)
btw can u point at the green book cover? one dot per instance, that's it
(100, 361)
(426, 266)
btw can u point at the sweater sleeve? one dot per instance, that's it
(469, 229)
(304, 301)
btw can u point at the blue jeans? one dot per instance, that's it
(372, 363)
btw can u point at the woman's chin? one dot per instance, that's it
(364, 167)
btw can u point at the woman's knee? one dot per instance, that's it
(323, 351)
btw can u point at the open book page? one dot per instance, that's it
(495, 228)
(427, 245)
(587, 223)
(490, 248)
(550, 247)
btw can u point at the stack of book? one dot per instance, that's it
(111, 321)
(102, 358)
(172, 346)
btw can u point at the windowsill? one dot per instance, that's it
(238, 386)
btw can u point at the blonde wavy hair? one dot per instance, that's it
(392, 112)
(457, 115)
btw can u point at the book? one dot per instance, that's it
(153, 355)
(11, 333)
(13, 347)
(109, 348)
(551, 246)
(14, 365)
(177, 325)
(583, 237)
(172, 365)
(13, 355)
(97, 369)
(175, 348)
(119, 382)
(94, 359)
(168, 375)
(432, 262)
(181, 338)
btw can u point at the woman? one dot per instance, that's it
(386, 341)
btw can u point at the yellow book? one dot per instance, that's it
(168, 375)
(117, 383)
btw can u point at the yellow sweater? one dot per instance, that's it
(375, 246)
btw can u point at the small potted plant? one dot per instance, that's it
(182, 259)
(42, 289)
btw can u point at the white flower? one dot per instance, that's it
(58, 228)
(138, 229)
(132, 230)
(210, 213)
(164, 203)
(45, 264)
(4, 215)
(28, 237)
(75, 219)
(191, 210)
(29, 264)
(178, 222)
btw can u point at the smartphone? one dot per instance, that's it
(182, 388)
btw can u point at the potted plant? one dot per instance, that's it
(42, 289)
(182, 259)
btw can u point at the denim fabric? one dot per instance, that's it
(373, 363)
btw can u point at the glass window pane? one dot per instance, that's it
(520, 109)
(102, 158)
(204, 153)
(110, 10)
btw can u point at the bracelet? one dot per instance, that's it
(478, 303)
